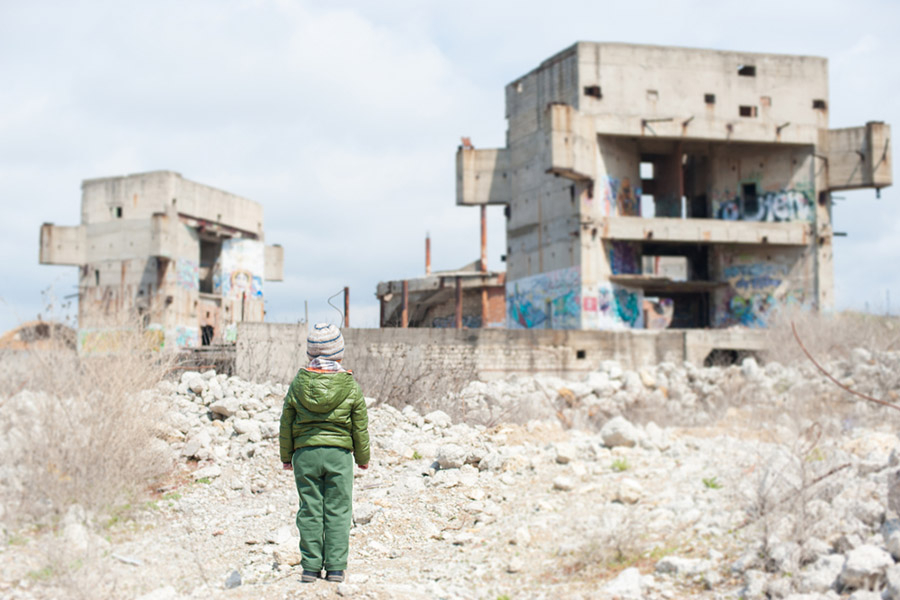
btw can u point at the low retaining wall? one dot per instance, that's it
(420, 357)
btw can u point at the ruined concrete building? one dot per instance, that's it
(695, 182)
(184, 259)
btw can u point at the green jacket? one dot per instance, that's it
(324, 409)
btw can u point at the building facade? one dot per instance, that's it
(184, 260)
(651, 186)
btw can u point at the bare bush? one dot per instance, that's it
(830, 336)
(79, 429)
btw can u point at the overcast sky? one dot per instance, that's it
(342, 118)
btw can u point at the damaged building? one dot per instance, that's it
(184, 260)
(651, 187)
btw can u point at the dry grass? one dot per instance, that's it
(830, 336)
(79, 429)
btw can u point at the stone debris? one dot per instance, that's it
(547, 475)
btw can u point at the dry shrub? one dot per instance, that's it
(829, 336)
(79, 429)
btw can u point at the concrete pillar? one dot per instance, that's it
(484, 238)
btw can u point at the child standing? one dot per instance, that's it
(324, 427)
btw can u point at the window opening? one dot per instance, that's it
(593, 91)
(747, 111)
(819, 104)
(750, 199)
(747, 70)
(709, 98)
(210, 250)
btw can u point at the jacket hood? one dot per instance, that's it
(322, 392)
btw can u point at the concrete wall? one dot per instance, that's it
(658, 82)
(141, 195)
(433, 357)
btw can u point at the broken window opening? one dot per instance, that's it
(206, 333)
(819, 104)
(580, 354)
(747, 111)
(210, 250)
(97, 277)
(117, 212)
(749, 199)
(747, 70)
(646, 170)
(709, 98)
(593, 91)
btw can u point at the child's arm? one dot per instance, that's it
(286, 430)
(359, 428)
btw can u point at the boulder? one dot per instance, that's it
(865, 567)
(619, 431)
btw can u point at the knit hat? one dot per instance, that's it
(325, 341)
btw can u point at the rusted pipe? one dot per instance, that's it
(404, 314)
(427, 254)
(484, 238)
(484, 306)
(459, 299)
(346, 306)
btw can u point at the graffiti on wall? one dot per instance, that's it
(548, 300)
(613, 307)
(784, 205)
(625, 258)
(619, 198)
(186, 337)
(242, 265)
(658, 314)
(755, 292)
(187, 273)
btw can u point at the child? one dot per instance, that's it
(323, 420)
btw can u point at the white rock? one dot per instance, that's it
(288, 553)
(626, 586)
(892, 577)
(676, 565)
(515, 565)
(493, 461)
(226, 407)
(565, 453)
(865, 567)
(451, 456)
(281, 535)
(618, 431)
(438, 418)
(347, 589)
(629, 491)
(364, 512)
(523, 536)
(210, 472)
(563, 483)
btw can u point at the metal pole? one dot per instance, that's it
(459, 298)
(404, 315)
(346, 306)
(484, 238)
(428, 254)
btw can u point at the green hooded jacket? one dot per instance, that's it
(324, 408)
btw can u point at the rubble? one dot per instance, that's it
(450, 508)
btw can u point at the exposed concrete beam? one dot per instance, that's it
(62, 245)
(703, 231)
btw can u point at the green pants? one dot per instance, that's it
(324, 476)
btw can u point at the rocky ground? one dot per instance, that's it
(670, 482)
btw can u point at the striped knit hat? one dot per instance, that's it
(325, 341)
